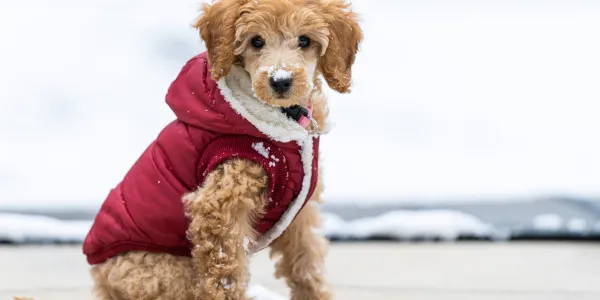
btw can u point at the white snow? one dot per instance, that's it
(268, 69)
(281, 74)
(442, 224)
(259, 292)
(481, 98)
(226, 284)
(274, 161)
(246, 243)
(577, 225)
(260, 148)
(548, 222)
(277, 72)
(18, 228)
(333, 225)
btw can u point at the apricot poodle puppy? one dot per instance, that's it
(234, 172)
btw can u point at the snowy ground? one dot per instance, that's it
(18, 228)
(401, 225)
(452, 99)
(383, 271)
(409, 225)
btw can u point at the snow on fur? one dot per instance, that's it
(236, 89)
(278, 72)
(281, 74)
(260, 148)
(306, 151)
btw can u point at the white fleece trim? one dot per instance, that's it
(306, 154)
(236, 89)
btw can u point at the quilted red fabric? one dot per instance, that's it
(145, 211)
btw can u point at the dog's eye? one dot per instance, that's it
(303, 41)
(257, 42)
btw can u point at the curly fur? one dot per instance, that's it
(228, 25)
(300, 255)
(222, 211)
(144, 276)
(345, 36)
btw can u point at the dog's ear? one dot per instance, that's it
(345, 35)
(217, 29)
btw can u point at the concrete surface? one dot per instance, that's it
(465, 271)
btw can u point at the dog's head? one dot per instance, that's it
(282, 44)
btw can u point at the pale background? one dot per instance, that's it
(488, 103)
(453, 100)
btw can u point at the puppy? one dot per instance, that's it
(233, 173)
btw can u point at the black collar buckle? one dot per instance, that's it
(295, 112)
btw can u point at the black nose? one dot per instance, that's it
(281, 85)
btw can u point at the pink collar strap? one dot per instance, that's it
(304, 120)
(301, 115)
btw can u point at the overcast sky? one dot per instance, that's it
(452, 99)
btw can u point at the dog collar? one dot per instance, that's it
(301, 115)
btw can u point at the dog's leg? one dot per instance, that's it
(221, 215)
(102, 289)
(144, 276)
(301, 255)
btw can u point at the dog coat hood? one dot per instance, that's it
(216, 121)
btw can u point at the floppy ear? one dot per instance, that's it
(217, 29)
(344, 37)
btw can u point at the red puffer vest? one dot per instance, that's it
(215, 122)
